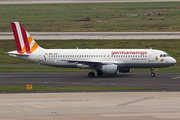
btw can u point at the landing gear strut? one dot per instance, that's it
(152, 72)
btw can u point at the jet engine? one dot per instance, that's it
(124, 70)
(110, 69)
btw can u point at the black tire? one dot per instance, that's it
(99, 73)
(153, 74)
(91, 74)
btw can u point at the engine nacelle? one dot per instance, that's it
(110, 69)
(124, 70)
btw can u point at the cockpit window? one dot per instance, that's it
(164, 55)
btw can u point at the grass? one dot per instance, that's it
(103, 17)
(169, 46)
(47, 88)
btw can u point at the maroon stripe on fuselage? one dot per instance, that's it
(25, 39)
(16, 37)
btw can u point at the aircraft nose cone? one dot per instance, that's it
(173, 61)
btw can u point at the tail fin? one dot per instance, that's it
(24, 42)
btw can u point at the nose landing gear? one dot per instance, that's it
(152, 73)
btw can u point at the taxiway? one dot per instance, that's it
(96, 35)
(169, 81)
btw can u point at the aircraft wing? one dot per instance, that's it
(95, 62)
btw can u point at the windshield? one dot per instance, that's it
(164, 55)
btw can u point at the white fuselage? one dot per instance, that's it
(124, 58)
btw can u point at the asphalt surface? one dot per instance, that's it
(96, 35)
(169, 81)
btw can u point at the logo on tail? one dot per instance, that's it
(24, 42)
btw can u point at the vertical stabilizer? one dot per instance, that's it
(24, 42)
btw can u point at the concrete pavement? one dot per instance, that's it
(96, 35)
(91, 106)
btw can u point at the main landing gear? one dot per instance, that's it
(91, 74)
(152, 72)
(99, 73)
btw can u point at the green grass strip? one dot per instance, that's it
(47, 88)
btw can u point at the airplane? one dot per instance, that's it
(103, 61)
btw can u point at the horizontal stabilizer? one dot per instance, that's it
(17, 54)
